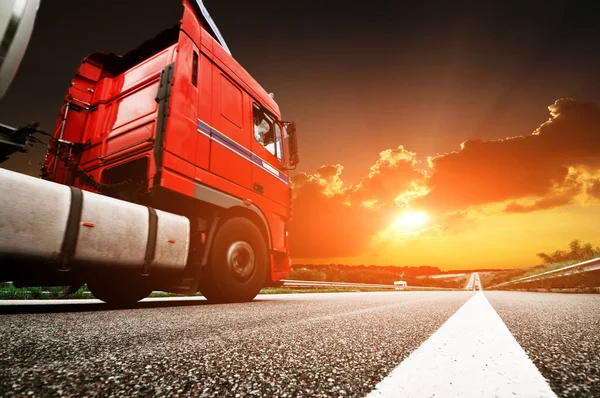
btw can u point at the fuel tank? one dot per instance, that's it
(53, 224)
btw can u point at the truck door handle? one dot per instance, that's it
(259, 188)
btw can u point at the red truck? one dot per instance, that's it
(167, 170)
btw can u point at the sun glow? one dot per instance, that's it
(411, 220)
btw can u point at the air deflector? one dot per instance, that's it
(212, 27)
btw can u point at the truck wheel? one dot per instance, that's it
(117, 293)
(238, 264)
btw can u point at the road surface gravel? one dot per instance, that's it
(317, 345)
(561, 335)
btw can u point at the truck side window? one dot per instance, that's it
(267, 132)
(195, 69)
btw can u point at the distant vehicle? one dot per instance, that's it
(476, 287)
(400, 284)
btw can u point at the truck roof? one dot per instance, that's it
(115, 64)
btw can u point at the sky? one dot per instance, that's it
(455, 134)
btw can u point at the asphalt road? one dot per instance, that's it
(470, 282)
(561, 335)
(337, 344)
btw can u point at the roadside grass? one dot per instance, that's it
(443, 276)
(449, 282)
(9, 292)
(491, 278)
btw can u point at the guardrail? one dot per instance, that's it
(298, 283)
(585, 266)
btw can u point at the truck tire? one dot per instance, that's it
(118, 293)
(238, 263)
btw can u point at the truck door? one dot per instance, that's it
(204, 112)
(181, 133)
(268, 176)
(230, 155)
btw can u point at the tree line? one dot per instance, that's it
(577, 252)
(360, 273)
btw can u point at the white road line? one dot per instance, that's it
(473, 279)
(472, 355)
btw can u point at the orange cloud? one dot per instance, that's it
(595, 190)
(540, 204)
(392, 174)
(331, 219)
(546, 169)
(530, 166)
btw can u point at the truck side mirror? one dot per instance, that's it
(16, 24)
(293, 143)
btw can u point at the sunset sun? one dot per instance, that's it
(411, 220)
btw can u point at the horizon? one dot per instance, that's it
(449, 271)
(468, 138)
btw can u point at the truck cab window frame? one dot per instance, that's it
(267, 132)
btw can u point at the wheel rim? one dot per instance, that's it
(240, 259)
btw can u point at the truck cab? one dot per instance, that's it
(177, 125)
